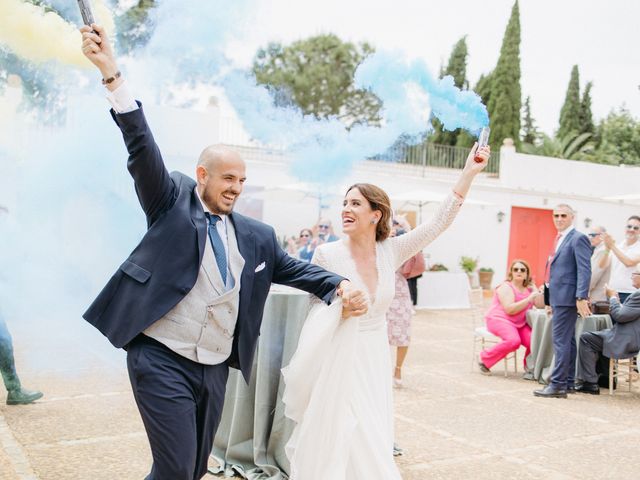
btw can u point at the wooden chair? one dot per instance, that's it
(622, 367)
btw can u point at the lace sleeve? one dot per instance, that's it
(407, 245)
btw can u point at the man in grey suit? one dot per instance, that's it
(620, 341)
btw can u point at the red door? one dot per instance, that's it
(531, 238)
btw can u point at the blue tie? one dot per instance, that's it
(218, 246)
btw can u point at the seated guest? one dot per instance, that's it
(620, 341)
(600, 265)
(506, 317)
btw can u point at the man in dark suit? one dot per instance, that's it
(620, 341)
(569, 275)
(188, 301)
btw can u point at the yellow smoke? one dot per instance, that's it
(39, 37)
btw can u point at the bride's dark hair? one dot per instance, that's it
(378, 200)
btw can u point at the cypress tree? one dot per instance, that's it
(505, 100)
(530, 133)
(571, 112)
(586, 117)
(483, 87)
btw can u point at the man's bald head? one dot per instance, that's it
(220, 174)
(214, 154)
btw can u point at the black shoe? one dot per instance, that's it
(483, 368)
(588, 387)
(550, 392)
(571, 390)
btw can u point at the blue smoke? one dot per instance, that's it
(187, 45)
(72, 218)
(323, 150)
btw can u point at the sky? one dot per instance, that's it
(602, 38)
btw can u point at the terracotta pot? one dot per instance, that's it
(485, 280)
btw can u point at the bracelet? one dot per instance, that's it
(107, 81)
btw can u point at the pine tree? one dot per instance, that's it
(505, 99)
(457, 68)
(530, 132)
(586, 117)
(571, 109)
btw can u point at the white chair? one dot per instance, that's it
(622, 367)
(484, 338)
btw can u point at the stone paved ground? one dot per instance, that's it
(452, 423)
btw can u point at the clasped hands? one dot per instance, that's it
(354, 302)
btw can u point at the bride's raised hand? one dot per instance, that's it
(477, 159)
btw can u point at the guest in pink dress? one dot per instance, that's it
(400, 311)
(506, 317)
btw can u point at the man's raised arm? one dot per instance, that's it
(154, 187)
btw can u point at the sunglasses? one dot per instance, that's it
(633, 227)
(560, 215)
(304, 235)
(519, 269)
(323, 226)
(594, 235)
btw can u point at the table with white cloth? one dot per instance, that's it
(253, 430)
(443, 290)
(540, 362)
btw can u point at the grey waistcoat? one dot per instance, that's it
(200, 327)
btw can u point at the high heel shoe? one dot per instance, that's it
(397, 382)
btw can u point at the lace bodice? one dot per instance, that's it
(390, 254)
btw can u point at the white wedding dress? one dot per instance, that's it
(338, 383)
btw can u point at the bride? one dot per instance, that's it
(338, 383)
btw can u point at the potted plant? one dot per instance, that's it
(469, 265)
(485, 276)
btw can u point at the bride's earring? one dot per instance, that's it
(373, 222)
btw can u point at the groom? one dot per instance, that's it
(187, 304)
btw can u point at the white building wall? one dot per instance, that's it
(476, 232)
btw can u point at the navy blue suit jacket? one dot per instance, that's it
(570, 273)
(164, 266)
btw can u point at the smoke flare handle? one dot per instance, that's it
(483, 141)
(85, 11)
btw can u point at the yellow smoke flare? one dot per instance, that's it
(39, 36)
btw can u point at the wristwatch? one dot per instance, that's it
(581, 298)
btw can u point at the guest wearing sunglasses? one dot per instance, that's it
(567, 279)
(506, 317)
(324, 231)
(625, 256)
(306, 244)
(600, 265)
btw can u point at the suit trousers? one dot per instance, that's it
(591, 346)
(180, 402)
(564, 346)
(7, 363)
